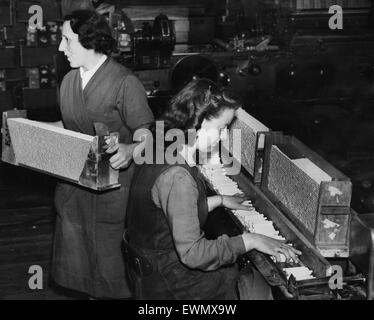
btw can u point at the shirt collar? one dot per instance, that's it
(94, 69)
(188, 155)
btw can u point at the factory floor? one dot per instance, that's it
(26, 232)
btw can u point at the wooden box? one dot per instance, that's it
(250, 134)
(66, 154)
(313, 194)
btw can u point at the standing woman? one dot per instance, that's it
(87, 253)
(168, 207)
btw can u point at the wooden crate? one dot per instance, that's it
(316, 197)
(66, 154)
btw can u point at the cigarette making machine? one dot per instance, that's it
(299, 198)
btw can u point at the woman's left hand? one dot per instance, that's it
(236, 202)
(123, 156)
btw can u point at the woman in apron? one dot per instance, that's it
(87, 254)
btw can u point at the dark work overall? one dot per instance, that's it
(164, 275)
(87, 253)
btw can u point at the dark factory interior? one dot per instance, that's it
(286, 61)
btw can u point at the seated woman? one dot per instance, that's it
(168, 207)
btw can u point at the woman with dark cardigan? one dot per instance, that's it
(87, 255)
(167, 252)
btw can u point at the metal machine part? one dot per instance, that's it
(153, 46)
(362, 247)
(192, 67)
(335, 242)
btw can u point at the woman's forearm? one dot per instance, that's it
(214, 202)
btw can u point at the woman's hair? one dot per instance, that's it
(92, 29)
(200, 99)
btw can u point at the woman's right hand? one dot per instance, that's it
(270, 246)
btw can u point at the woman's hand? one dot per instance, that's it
(230, 202)
(123, 156)
(236, 202)
(270, 246)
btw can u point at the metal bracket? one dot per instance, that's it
(7, 152)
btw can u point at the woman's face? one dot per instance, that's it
(214, 130)
(71, 47)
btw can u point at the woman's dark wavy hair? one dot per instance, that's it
(200, 99)
(92, 29)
